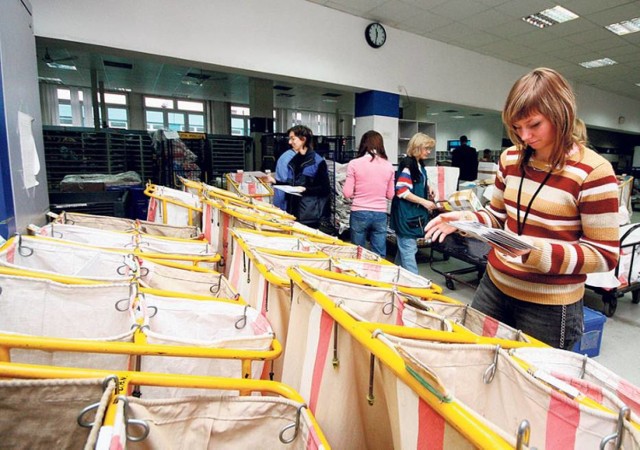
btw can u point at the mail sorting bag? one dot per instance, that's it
(202, 323)
(160, 247)
(219, 218)
(325, 362)
(57, 257)
(262, 278)
(392, 274)
(266, 414)
(258, 270)
(582, 372)
(213, 193)
(127, 225)
(173, 207)
(47, 309)
(249, 185)
(43, 413)
(491, 383)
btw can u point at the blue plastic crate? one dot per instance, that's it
(592, 336)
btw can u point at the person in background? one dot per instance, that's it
(307, 173)
(411, 205)
(466, 159)
(486, 155)
(370, 182)
(580, 131)
(555, 193)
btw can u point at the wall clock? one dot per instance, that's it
(375, 34)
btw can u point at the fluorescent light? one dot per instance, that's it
(598, 63)
(55, 65)
(559, 14)
(122, 89)
(625, 27)
(457, 117)
(550, 16)
(638, 84)
(50, 80)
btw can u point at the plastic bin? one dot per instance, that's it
(592, 337)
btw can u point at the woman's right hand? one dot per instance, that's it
(438, 228)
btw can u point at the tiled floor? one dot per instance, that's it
(621, 333)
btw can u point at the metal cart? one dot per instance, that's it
(610, 295)
(467, 249)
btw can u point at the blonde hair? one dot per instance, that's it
(542, 91)
(580, 132)
(418, 141)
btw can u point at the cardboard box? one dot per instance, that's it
(465, 200)
(592, 336)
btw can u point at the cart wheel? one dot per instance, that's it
(449, 283)
(610, 305)
(635, 297)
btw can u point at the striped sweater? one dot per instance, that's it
(572, 223)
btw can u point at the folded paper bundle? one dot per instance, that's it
(465, 200)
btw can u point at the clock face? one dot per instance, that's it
(376, 35)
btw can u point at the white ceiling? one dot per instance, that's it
(495, 28)
(491, 27)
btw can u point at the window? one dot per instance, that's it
(322, 124)
(117, 111)
(240, 120)
(176, 115)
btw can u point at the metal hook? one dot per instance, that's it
(385, 308)
(336, 361)
(242, 321)
(464, 315)
(119, 307)
(372, 363)
(623, 414)
(490, 373)
(295, 426)
(136, 422)
(23, 250)
(215, 288)
(94, 406)
(154, 309)
(86, 410)
(523, 435)
(583, 370)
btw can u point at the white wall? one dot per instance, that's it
(303, 40)
(483, 133)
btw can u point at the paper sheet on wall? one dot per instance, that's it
(30, 161)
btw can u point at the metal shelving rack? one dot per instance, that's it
(74, 151)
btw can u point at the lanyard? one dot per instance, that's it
(526, 212)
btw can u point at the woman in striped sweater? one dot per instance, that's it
(557, 194)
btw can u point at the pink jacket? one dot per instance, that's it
(369, 183)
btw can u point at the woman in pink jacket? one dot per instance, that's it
(370, 183)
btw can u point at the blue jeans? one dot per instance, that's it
(406, 255)
(371, 225)
(558, 326)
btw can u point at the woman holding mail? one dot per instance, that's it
(557, 195)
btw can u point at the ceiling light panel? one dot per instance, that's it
(598, 63)
(550, 17)
(625, 27)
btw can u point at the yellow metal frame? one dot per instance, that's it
(236, 186)
(213, 193)
(459, 334)
(433, 293)
(273, 223)
(128, 378)
(163, 258)
(150, 191)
